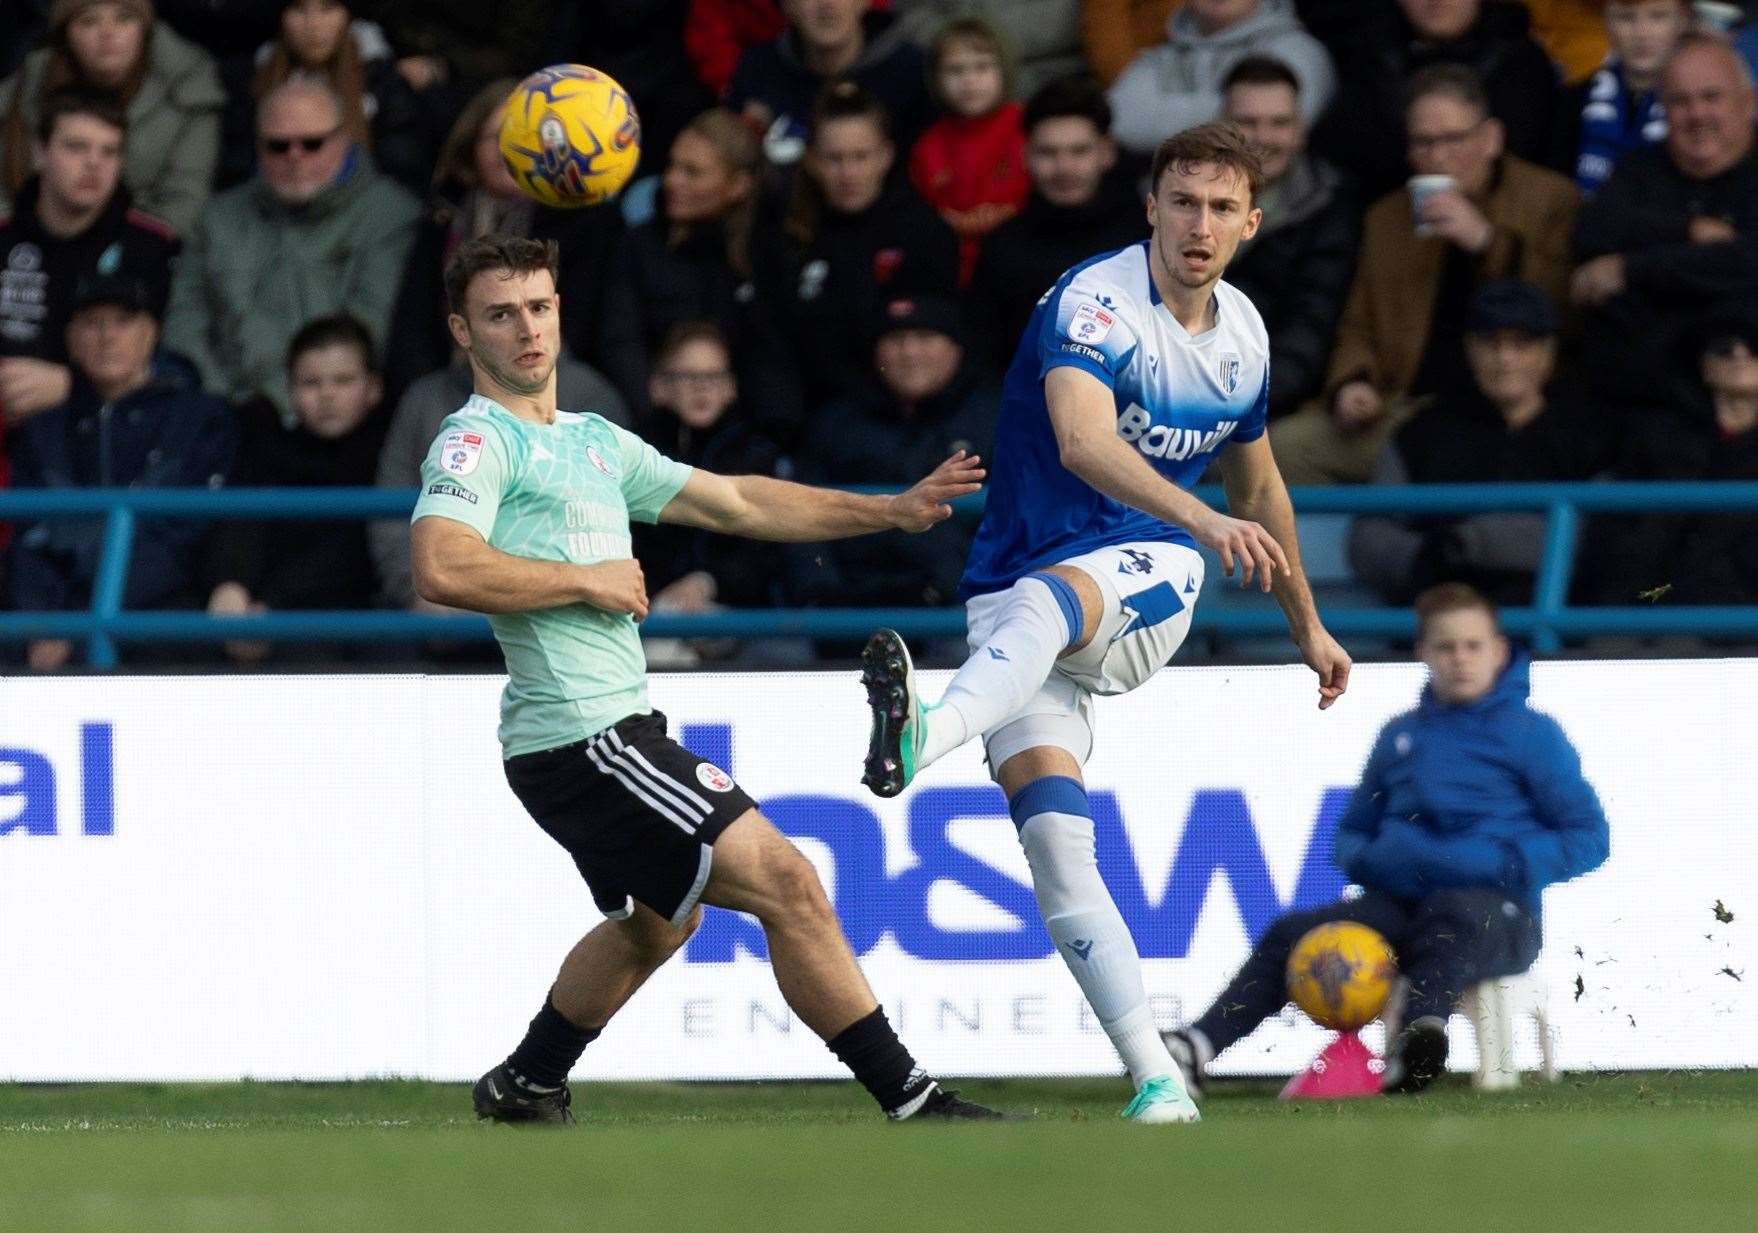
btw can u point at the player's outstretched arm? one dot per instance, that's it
(759, 507)
(1083, 413)
(454, 565)
(1256, 491)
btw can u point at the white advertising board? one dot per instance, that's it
(327, 877)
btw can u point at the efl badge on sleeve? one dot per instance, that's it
(460, 452)
(1090, 324)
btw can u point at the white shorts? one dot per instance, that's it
(1150, 592)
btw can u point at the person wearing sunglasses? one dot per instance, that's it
(319, 230)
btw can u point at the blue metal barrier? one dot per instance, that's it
(1546, 622)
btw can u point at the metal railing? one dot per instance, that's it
(1548, 620)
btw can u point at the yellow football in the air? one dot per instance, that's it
(571, 137)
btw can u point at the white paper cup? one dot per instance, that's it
(1421, 189)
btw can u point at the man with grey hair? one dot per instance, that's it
(1673, 228)
(318, 230)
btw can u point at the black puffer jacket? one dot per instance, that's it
(869, 438)
(1707, 558)
(826, 296)
(1296, 271)
(1364, 131)
(747, 572)
(1029, 252)
(300, 564)
(655, 285)
(1463, 439)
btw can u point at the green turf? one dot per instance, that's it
(1607, 1154)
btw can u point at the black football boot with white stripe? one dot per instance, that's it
(501, 1096)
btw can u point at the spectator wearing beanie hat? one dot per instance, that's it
(168, 86)
(1508, 424)
(922, 401)
(136, 418)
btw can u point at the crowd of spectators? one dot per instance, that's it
(1501, 241)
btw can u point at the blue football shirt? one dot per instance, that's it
(1180, 400)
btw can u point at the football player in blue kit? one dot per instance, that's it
(1138, 369)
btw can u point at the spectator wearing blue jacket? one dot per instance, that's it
(1470, 805)
(137, 418)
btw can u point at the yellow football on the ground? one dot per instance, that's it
(1341, 974)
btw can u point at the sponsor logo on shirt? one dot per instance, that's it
(461, 452)
(1084, 351)
(1090, 324)
(451, 490)
(1137, 427)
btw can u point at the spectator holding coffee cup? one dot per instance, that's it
(1471, 214)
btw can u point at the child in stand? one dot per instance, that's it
(1618, 109)
(970, 165)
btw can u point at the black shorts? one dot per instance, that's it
(637, 811)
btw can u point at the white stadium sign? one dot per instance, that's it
(327, 877)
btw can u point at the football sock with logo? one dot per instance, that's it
(1042, 617)
(1056, 829)
(551, 1046)
(870, 1048)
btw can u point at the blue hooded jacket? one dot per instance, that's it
(1488, 794)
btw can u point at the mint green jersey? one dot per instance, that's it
(553, 492)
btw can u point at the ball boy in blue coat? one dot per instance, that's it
(1470, 805)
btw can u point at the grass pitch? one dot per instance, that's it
(1600, 1153)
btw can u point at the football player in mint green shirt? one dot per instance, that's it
(524, 514)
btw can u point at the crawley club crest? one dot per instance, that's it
(713, 778)
(1229, 372)
(598, 460)
(460, 452)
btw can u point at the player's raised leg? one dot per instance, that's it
(1048, 802)
(1041, 617)
(757, 870)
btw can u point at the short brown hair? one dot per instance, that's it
(1454, 81)
(336, 330)
(99, 105)
(512, 253)
(1220, 142)
(683, 334)
(1261, 71)
(1437, 601)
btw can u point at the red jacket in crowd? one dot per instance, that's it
(972, 170)
(719, 31)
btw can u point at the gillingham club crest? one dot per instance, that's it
(1229, 373)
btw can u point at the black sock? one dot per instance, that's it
(870, 1048)
(551, 1047)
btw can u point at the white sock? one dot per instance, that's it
(1041, 617)
(1085, 924)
